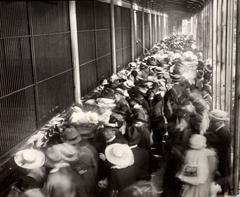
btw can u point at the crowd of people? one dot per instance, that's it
(158, 107)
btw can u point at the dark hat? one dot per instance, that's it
(139, 115)
(200, 65)
(71, 136)
(208, 68)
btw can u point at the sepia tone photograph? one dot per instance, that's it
(120, 98)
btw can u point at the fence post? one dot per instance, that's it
(237, 110)
(114, 61)
(74, 46)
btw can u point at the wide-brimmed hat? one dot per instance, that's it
(29, 158)
(53, 155)
(219, 115)
(71, 136)
(197, 141)
(119, 154)
(68, 152)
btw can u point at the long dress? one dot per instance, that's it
(199, 186)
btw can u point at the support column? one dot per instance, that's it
(237, 110)
(143, 31)
(150, 27)
(132, 33)
(74, 47)
(113, 37)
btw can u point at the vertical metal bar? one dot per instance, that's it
(214, 7)
(219, 53)
(75, 54)
(36, 96)
(143, 31)
(132, 33)
(237, 109)
(150, 28)
(113, 38)
(223, 54)
(95, 39)
(159, 27)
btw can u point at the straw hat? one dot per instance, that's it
(219, 114)
(120, 155)
(71, 136)
(53, 155)
(68, 152)
(198, 141)
(29, 158)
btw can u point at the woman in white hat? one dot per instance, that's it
(198, 169)
(219, 138)
(123, 172)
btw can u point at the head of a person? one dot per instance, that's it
(53, 157)
(109, 132)
(218, 117)
(71, 136)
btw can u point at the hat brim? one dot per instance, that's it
(39, 161)
(220, 118)
(127, 159)
(72, 142)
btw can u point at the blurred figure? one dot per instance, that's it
(219, 137)
(139, 189)
(62, 181)
(199, 168)
(86, 163)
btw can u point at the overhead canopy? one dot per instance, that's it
(183, 5)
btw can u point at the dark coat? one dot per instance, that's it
(141, 161)
(122, 178)
(220, 140)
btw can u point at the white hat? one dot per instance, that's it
(68, 152)
(128, 84)
(197, 141)
(29, 158)
(219, 114)
(120, 155)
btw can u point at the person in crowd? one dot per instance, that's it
(198, 170)
(140, 122)
(176, 146)
(123, 172)
(158, 122)
(31, 162)
(122, 106)
(87, 162)
(219, 137)
(62, 180)
(141, 156)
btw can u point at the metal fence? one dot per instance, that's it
(35, 67)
